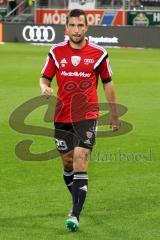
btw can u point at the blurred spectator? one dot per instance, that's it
(118, 3)
(3, 2)
(135, 4)
(61, 4)
(43, 3)
(150, 3)
(12, 6)
(109, 3)
(104, 2)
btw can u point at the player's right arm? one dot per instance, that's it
(48, 73)
(45, 85)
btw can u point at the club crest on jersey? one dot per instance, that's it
(75, 60)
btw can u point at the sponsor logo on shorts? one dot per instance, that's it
(89, 134)
(87, 142)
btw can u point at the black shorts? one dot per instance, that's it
(78, 134)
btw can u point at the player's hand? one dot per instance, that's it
(115, 124)
(47, 92)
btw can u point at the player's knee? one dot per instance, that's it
(80, 167)
(81, 157)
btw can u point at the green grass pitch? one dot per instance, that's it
(123, 201)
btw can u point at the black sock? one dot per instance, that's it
(68, 178)
(79, 191)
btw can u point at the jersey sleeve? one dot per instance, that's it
(49, 68)
(104, 70)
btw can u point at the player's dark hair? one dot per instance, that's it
(76, 13)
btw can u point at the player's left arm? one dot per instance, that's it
(105, 73)
(110, 94)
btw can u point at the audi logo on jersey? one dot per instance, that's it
(88, 61)
(38, 33)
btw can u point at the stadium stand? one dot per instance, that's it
(24, 10)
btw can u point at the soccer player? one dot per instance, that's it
(77, 65)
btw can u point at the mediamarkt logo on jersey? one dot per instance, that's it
(75, 74)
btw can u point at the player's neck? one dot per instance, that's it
(77, 45)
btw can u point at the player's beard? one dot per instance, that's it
(78, 41)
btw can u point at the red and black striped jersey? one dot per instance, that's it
(77, 72)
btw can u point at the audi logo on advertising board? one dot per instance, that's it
(38, 34)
